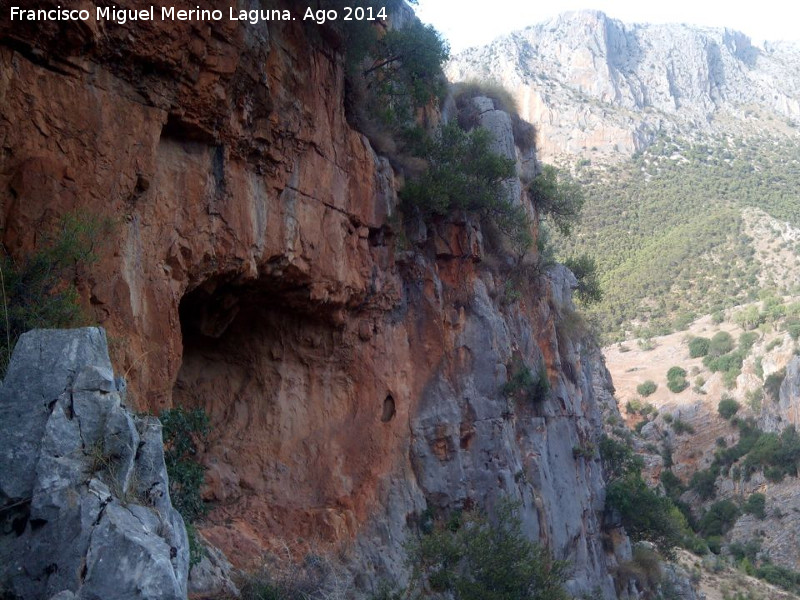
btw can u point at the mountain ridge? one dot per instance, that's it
(593, 84)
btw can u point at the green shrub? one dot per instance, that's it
(748, 436)
(699, 382)
(793, 327)
(729, 378)
(704, 483)
(39, 292)
(666, 456)
(585, 270)
(720, 344)
(714, 543)
(183, 430)
(544, 248)
(676, 373)
(645, 515)
(727, 407)
(773, 310)
(755, 505)
(748, 318)
(618, 459)
(749, 549)
(780, 576)
(646, 344)
(759, 367)
(778, 453)
(672, 485)
(726, 363)
(676, 386)
(465, 175)
(746, 341)
(683, 320)
(478, 559)
(647, 388)
(556, 197)
(772, 384)
(525, 386)
(586, 451)
(676, 380)
(719, 518)
(754, 398)
(681, 427)
(699, 347)
(633, 406)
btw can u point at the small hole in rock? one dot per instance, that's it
(388, 409)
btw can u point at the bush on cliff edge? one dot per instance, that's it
(38, 291)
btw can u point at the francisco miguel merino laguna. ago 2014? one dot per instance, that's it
(124, 15)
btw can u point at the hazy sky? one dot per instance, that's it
(472, 22)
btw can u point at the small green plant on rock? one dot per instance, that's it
(183, 431)
(586, 450)
(680, 427)
(773, 382)
(756, 505)
(753, 398)
(524, 385)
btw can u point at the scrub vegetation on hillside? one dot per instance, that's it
(667, 232)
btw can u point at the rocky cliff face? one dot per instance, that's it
(595, 85)
(84, 495)
(352, 382)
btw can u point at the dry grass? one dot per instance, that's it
(500, 96)
(314, 577)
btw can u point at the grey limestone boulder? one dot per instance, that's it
(83, 485)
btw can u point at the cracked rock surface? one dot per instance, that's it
(84, 495)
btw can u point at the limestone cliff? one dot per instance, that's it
(597, 87)
(353, 379)
(84, 495)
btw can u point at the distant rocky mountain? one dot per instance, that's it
(594, 85)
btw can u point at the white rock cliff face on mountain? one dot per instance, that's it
(594, 84)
